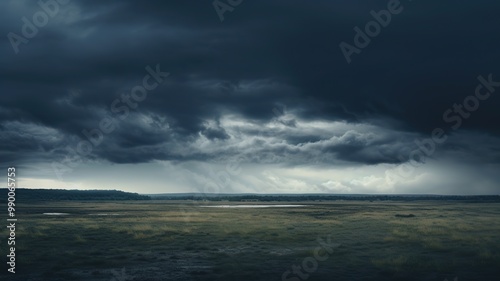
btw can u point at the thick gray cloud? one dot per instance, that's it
(268, 85)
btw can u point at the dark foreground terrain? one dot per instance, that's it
(184, 240)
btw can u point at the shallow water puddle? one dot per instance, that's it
(56, 214)
(254, 206)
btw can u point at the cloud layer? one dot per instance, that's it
(267, 87)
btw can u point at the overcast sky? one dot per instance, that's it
(252, 96)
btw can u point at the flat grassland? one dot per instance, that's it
(181, 240)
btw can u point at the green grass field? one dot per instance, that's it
(174, 240)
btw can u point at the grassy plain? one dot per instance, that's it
(179, 240)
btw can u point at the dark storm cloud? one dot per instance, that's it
(265, 55)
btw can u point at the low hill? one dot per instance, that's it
(28, 194)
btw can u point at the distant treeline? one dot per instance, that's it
(320, 197)
(28, 194)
